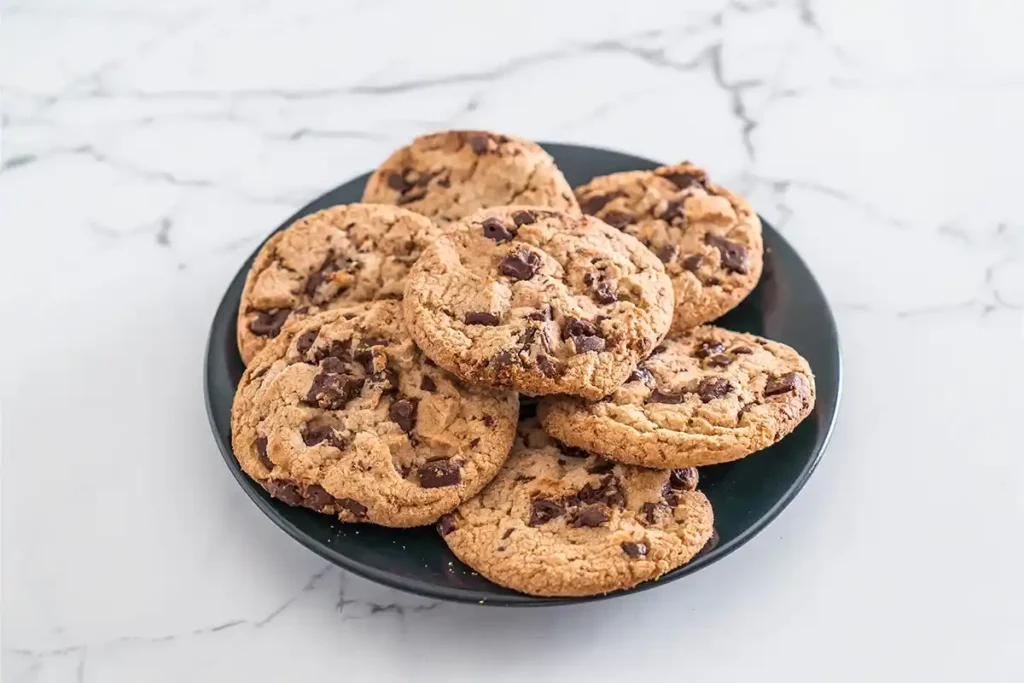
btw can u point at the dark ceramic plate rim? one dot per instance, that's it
(229, 309)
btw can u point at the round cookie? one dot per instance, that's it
(708, 237)
(342, 414)
(451, 174)
(338, 256)
(707, 397)
(538, 300)
(557, 521)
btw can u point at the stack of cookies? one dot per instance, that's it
(396, 351)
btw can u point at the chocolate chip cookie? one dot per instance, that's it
(341, 255)
(708, 237)
(558, 521)
(451, 174)
(539, 300)
(707, 397)
(341, 413)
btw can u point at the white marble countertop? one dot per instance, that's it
(149, 146)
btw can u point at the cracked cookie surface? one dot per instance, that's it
(341, 255)
(708, 237)
(707, 397)
(538, 300)
(341, 413)
(558, 521)
(451, 174)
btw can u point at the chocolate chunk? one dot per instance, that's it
(438, 473)
(481, 319)
(488, 420)
(781, 384)
(588, 344)
(305, 340)
(396, 181)
(474, 443)
(543, 314)
(712, 281)
(657, 396)
(522, 218)
(744, 409)
(547, 366)
(261, 452)
(592, 516)
(683, 180)
(353, 506)
(446, 524)
(719, 360)
(618, 219)
(403, 413)
(284, 491)
(574, 327)
(650, 511)
(508, 532)
(588, 279)
(605, 293)
(692, 263)
(741, 350)
(428, 384)
(317, 498)
(502, 361)
(711, 388)
(269, 323)
(373, 360)
(337, 349)
(544, 510)
(591, 205)
(521, 265)
(641, 375)
(585, 335)
(670, 496)
(571, 451)
(495, 230)
(425, 178)
(674, 211)
(607, 492)
(708, 348)
(388, 378)
(332, 391)
(683, 478)
(601, 466)
(634, 550)
(314, 434)
(323, 273)
(478, 143)
(667, 253)
(527, 337)
(415, 195)
(333, 364)
(734, 255)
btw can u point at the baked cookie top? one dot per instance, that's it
(538, 300)
(341, 413)
(338, 256)
(708, 237)
(707, 397)
(451, 174)
(557, 521)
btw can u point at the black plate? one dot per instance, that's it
(787, 306)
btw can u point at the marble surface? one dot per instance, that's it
(148, 147)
